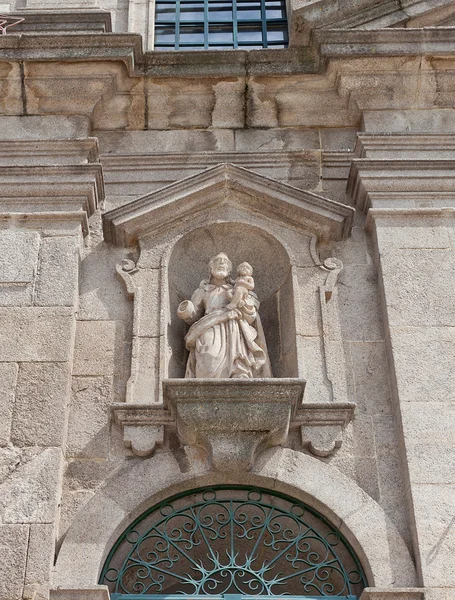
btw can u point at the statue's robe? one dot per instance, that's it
(221, 347)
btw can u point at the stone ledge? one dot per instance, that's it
(98, 592)
(39, 196)
(46, 21)
(233, 419)
(393, 594)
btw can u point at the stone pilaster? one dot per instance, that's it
(49, 185)
(406, 185)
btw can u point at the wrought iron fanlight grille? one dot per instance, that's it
(233, 540)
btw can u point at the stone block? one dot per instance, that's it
(371, 379)
(434, 509)
(420, 377)
(431, 463)
(438, 593)
(71, 504)
(144, 383)
(95, 346)
(393, 593)
(88, 424)
(418, 286)
(364, 443)
(35, 334)
(86, 542)
(146, 142)
(311, 362)
(30, 494)
(10, 89)
(13, 550)
(98, 592)
(44, 127)
(8, 378)
(436, 120)
(411, 233)
(354, 250)
(40, 559)
(103, 295)
(366, 475)
(358, 303)
(195, 103)
(57, 281)
(340, 139)
(19, 252)
(259, 140)
(41, 404)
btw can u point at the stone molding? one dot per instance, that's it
(393, 594)
(324, 218)
(96, 592)
(321, 425)
(143, 483)
(39, 196)
(46, 21)
(407, 171)
(233, 420)
(324, 44)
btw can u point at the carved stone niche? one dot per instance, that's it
(276, 228)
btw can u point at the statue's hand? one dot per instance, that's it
(234, 314)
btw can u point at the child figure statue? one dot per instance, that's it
(243, 285)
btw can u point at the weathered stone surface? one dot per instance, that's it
(436, 532)
(393, 594)
(13, 550)
(57, 281)
(98, 592)
(19, 251)
(35, 334)
(95, 346)
(103, 296)
(40, 559)
(8, 378)
(435, 120)
(371, 381)
(30, 493)
(50, 127)
(41, 404)
(359, 308)
(421, 378)
(176, 140)
(88, 425)
(420, 283)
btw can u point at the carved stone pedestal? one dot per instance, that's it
(233, 419)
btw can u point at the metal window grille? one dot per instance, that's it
(220, 24)
(232, 543)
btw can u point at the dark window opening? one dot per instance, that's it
(220, 24)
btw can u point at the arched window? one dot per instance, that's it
(220, 24)
(232, 540)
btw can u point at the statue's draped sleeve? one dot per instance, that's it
(192, 310)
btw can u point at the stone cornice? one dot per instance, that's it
(223, 185)
(125, 47)
(325, 44)
(41, 196)
(402, 183)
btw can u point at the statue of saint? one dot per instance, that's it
(226, 339)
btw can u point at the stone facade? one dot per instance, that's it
(330, 167)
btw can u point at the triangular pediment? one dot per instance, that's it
(221, 186)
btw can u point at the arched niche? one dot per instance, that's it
(188, 266)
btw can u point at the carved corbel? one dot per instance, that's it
(321, 425)
(143, 426)
(125, 270)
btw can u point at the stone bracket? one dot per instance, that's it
(232, 420)
(143, 425)
(321, 425)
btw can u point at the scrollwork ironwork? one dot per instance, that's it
(233, 540)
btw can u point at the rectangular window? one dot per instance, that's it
(220, 24)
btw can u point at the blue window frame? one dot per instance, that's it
(220, 24)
